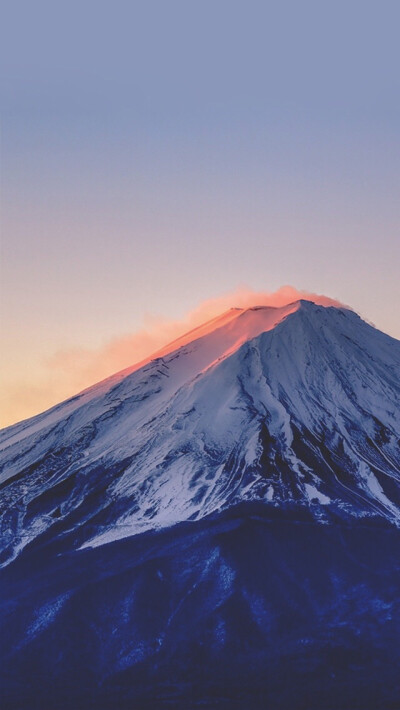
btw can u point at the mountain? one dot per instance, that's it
(290, 406)
(194, 529)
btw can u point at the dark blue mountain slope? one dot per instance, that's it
(243, 610)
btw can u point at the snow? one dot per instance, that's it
(314, 494)
(375, 489)
(270, 493)
(215, 418)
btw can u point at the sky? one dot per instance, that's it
(159, 156)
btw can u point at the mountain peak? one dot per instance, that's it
(292, 406)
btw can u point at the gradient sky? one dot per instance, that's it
(157, 154)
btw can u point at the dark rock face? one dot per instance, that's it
(243, 610)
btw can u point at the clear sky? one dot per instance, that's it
(156, 154)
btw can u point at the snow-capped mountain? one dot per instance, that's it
(215, 527)
(293, 406)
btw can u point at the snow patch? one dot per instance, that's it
(314, 494)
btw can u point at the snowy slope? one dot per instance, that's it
(295, 407)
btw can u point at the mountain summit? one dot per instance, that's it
(202, 527)
(295, 406)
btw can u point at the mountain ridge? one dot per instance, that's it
(291, 405)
